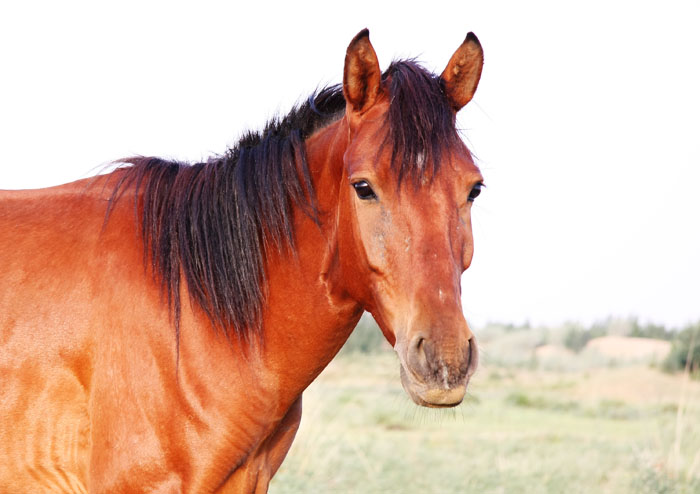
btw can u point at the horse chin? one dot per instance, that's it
(432, 397)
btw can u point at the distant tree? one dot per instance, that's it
(651, 330)
(685, 351)
(577, 337)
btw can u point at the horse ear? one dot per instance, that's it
(361, 77)
(461, 76)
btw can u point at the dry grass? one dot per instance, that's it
(625, 348)
(523, 429)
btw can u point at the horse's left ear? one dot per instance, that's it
(361, 77)
(461, 76)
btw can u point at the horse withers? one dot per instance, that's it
(159, 324)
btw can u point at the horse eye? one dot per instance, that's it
(364, 191)
(476, 190)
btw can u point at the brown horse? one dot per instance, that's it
(159, 324)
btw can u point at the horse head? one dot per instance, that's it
(405, 211)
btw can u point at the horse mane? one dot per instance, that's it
(214, 222)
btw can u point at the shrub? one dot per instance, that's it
(651, 330)
(577, 337)
(685, 351)
(365, 338)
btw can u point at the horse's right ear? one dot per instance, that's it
(361, 77)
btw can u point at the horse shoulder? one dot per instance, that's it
(45, 348)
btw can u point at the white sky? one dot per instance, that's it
(586, 123)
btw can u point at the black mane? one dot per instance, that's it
(215, 221)
(421, 122)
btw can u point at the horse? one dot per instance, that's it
(160, 322)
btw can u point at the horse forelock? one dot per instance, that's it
(422, 130)
(214, 222)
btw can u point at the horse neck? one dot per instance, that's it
(309, 314)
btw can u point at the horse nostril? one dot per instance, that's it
(446, 364)
(417, 357)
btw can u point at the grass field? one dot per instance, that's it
(524, 428)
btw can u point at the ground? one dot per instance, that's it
(588, 427)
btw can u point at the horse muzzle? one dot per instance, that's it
(436, 374)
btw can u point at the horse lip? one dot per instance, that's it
(442, 398)
(432, 396)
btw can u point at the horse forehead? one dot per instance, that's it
(450, 182)
(428, 205)
(373, 156)
(370, 150)
(435, 202)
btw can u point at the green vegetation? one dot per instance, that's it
(582, 425)
(685, 351)
(365, 338)
(577, 337)
(651, 330)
